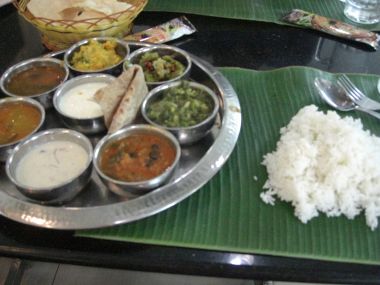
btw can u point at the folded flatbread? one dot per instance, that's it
(75, 10)
(110, 96)
(120, 101)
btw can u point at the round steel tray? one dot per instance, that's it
(98, 207)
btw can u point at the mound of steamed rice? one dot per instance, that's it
(325, 163)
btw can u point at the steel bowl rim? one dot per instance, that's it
(137, 127)
(77, 45)
(162, 47)
(37, 136)
(58, 93)
(156, 92)
(26, 62)
(30, 101)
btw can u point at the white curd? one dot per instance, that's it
(78, 102)
(51, 164)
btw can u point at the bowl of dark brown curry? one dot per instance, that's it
(136, 159)
(35, 78)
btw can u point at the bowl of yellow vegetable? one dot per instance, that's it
(97, 55)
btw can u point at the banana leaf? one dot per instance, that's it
(257, 10)
(227, 213)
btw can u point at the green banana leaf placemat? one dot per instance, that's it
(258, 10)
(227, 214)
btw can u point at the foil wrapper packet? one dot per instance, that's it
(332, 27)
(165, 32)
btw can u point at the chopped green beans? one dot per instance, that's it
(181, 106)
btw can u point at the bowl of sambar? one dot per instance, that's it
(20, 118)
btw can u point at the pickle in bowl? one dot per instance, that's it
(161, 64)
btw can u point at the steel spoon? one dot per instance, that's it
(336, 97)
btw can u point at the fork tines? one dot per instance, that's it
(356, 95)
(352, 91)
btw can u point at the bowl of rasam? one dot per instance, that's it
(35, 78)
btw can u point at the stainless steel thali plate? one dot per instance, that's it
(97, 207)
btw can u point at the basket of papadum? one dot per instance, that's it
(64, 22)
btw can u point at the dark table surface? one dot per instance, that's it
(222, 42)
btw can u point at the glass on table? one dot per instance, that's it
(362, 11)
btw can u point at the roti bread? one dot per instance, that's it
(130, 103)
(109, 97)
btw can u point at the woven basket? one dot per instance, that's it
(60, 34)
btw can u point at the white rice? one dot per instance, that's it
(325, 163)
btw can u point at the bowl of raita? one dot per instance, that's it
(75, 104)
(51, 166)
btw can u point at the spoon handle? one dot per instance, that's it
(372, 113)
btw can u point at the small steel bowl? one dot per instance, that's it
(185, 135)
(90, 125)
(6, 149)
(136, 188)
(44, 98)
(176, 53)
(59, 193)
(122, 49)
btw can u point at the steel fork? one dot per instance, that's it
(356, 95)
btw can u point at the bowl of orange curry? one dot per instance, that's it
(20, 118)
(136, 159)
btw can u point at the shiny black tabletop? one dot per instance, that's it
(222, 42)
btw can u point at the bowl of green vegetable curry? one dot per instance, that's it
(186, 109)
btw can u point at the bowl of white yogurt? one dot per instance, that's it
(51, 166)
(75, 104)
